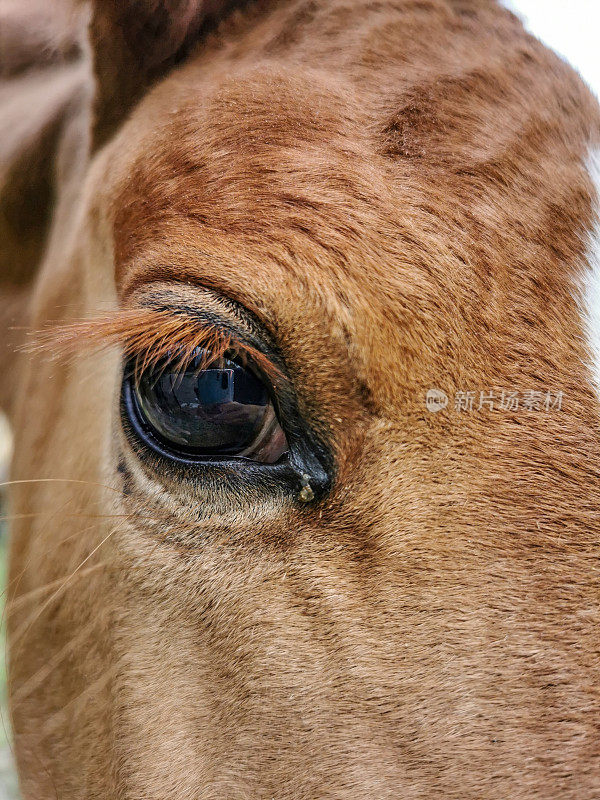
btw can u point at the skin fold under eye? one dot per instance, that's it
(207, 408)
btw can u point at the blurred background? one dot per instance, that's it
(8, 782)
(571, 29)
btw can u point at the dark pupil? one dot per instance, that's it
(220, 410)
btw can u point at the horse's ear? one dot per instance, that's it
(135, 42)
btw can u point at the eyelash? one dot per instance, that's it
(147, 334)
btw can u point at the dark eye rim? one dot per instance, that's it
(308, 457)
(145, 431)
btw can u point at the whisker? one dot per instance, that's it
(22, 599)
(74, 515)
(59, 480)
(15, 582)
(33, 618)
(16, 579)
(54, 722)
(37, 679)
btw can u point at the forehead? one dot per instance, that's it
(267, 156)
(268, 186)
(373, 199)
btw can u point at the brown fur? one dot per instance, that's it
(397, 192)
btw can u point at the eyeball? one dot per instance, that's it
(223, 410)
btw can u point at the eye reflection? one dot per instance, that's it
(223, 410)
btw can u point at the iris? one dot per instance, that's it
(222, 410)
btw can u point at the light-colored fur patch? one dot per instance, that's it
(590, 296)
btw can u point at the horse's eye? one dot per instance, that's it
(224, 410)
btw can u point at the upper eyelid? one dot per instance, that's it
(239, 336)
(150, 330)
(176, 292)
(154, 281)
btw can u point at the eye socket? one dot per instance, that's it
(222, 410)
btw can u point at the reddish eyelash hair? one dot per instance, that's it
(149, 336)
